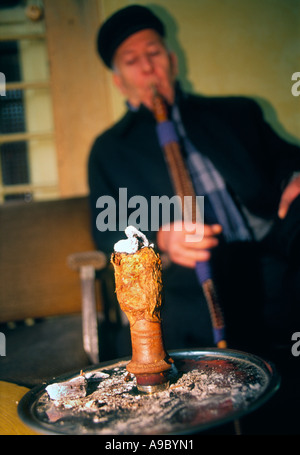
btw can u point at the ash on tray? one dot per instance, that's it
(109, 402)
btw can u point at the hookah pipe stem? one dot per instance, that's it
(183, 187)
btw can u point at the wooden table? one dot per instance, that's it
(10, 423)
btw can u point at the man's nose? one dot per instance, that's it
(146, 64)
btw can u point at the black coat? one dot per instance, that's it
(254, 161)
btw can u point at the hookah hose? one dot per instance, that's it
(183, 187)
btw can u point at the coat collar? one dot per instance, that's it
(143, 113)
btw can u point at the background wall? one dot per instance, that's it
(234, 47)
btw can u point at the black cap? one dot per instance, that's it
(123, 24)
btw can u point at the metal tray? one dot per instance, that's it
(207, 388)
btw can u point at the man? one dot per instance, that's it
(256, 275)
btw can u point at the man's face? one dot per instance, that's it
(142, 61)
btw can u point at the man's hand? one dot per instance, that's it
(187, 253)
(289, 194)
